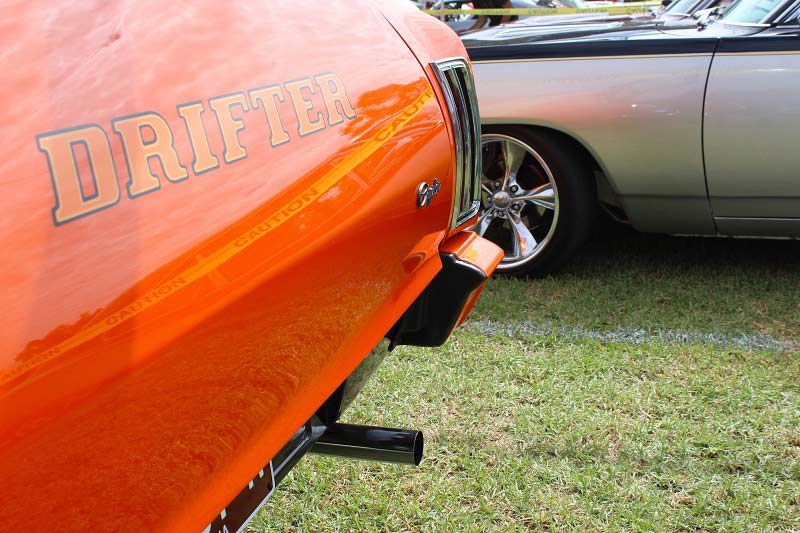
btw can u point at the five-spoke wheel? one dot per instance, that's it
(519, 200)
(529, 186)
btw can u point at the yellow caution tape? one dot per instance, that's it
(612, 10)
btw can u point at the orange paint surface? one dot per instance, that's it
(226, 228)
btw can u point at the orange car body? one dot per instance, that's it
(208, 220)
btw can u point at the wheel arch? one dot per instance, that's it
(606, 190)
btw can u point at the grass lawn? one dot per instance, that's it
(653, 384)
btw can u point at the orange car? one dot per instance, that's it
(212, 213)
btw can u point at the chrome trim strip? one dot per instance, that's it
(744, 24)
(438, 69)
(765, 53)
(760, 219)
(588, 58)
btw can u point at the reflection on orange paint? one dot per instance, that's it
(159, 348)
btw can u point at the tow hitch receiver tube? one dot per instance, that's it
(371, 443)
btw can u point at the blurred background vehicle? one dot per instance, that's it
(466, 22)
(577, 24)
(677, 126)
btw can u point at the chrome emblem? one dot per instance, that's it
(425, 192)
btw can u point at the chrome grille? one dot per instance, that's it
(455, 78)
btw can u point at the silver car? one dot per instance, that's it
(682, 126)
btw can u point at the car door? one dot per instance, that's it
(751, 127)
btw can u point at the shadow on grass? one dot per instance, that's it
(625, 279)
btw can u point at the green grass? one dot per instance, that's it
(653, 384)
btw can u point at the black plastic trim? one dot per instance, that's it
(608, 48)
(433, 315)
(777, 44)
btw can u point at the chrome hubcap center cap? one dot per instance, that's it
(501, 199)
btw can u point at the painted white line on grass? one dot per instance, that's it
(630, 335)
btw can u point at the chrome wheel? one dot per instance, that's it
(519, 200)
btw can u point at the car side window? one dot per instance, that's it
(750, 11)
(791, 18)
(681, 7)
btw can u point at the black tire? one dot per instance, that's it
(574, 206)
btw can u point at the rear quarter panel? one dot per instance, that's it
(157, 352)
(640, 117)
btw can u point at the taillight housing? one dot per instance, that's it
(455, 78)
